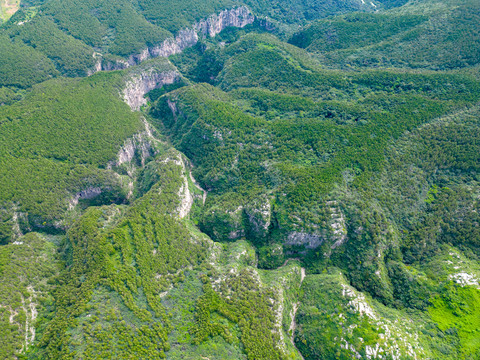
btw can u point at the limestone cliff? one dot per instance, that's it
(213, 25)
(312, 236)
(259, 215)
(209, 27)
(309, 240)
(136, 150)
(140, 84)
(152, 77)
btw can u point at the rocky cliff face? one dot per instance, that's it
(140, 84)
(334, 235)
(136, 149)
(86, 194)
(310, 241)
(139, 145)
(184, 193)
(211, 26)
(184, 39)
(259, 216)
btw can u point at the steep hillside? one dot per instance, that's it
(45, 173)
(291, 155)
(178, 181)
(437, 36)
(320, 126)
(27, 269)
(82, 36)
(137, 295)
(109, 36)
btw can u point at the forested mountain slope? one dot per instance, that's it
(81, 36)
(240, 180)
(429, 35)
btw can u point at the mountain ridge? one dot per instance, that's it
(266, 190)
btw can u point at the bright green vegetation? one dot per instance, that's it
(274, 127)
(70, 56)
(437, 308)
(253, 321)
(132, 258)
(23, 66)
(73, 35)
(316, 199)
(117, 303)
(252, 140)
(456, 311)
(333, 312)
(116, 26)
(27, 268)
(250, 307)
(7, 9)
(41, 164)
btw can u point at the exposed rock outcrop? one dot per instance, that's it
(197, 185)
(86, 194)
(184, 194)
(335, 234)
(184, 39)
(140, 84)
(13, 222)
(136, 149)
(16, 231)
(337, 225)
(211, 26)
(310, 241)
(259, 215)
(138, 144)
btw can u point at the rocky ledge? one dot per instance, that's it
(211, 26)
(140, 84)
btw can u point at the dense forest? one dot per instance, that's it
(240, 179)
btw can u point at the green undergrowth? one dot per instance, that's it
(286, 15)
(337, 322)
(132, 258)
(378, 167)
(364, 178)
(137, 295)
(10, 95)
(294, 139)
(181, 302)
(456, 312)
(43, 166)
(21, 65)
(258, 343)
(27, 271)
(240, 303)
(71, 56)
(68, 37)
(445, 35)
